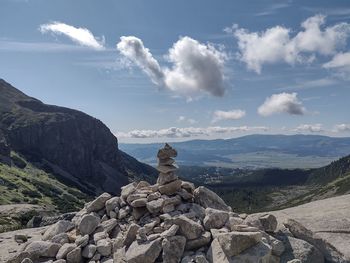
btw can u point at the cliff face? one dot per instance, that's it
(75, 145)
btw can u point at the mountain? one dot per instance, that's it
(252, 151)
(70, 144)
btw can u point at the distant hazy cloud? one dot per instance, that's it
(342, 128)
(175, 132)
(185, 119)
(309, 128)
(220, 115)
(196, 67)
(282, 103)
(82, 36)
(276, 44)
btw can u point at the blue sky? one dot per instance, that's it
(185, 69)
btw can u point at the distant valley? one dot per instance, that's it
(252, 151)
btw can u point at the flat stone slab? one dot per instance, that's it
(328, 218)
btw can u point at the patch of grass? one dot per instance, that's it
(36, 186)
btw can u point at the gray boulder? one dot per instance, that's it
(207, 198)
(74, 256)
(259, 253)
(144, 253)
(64, 250)
(173, 248)
(188, 228)
(301, 250)
(233, 243)
(215, 218)
(43, 249)
(58, 228)
(89, 251)
(98, 203)
(88, 224)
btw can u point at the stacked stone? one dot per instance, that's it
(168, 181)
(168, 222)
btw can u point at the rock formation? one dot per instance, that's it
(168, 222)
(74, 145)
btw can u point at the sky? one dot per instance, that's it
(159, 70)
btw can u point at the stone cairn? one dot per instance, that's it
(168, 222)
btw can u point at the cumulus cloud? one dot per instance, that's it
(81, 36)
(341, 127)
(277, 44)
(174, 132)
(195, 67)
(220, 115)
(282, 103)
(309, 128)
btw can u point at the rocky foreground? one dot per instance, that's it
(171, 221)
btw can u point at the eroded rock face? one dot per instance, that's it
(182, 224)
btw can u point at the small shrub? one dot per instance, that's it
(19, 162)
(31, 193)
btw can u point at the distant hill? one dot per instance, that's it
(252, 151)
(270, 189)
(70, 144)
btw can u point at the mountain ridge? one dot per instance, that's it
(252, 151)
(71, 142)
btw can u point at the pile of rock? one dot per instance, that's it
(168, 222)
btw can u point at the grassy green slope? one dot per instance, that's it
(32, 185)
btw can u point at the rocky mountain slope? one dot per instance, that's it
(72, 145)
(171, 221)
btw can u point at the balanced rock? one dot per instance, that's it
(167, 152)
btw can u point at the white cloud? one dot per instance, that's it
(196, 67)
(133, 49)
(341, 128)
(185, 119)
(276, 44)
(309, 128)
(81, 36)
(340, 61)
(220, 115)
(282, 103)
(174, 132)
